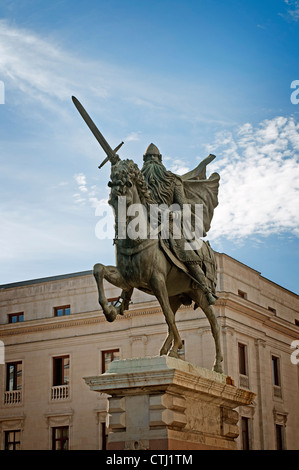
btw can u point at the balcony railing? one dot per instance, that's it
(59, 392)
(12, 397)
(244, 381)
(277, 391)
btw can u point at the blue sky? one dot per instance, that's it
(193, 76)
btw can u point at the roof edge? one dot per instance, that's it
(45, 279)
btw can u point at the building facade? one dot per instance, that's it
(53, 333)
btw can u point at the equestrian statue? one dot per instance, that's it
(168, 260)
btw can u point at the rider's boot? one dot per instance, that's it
(198, 274)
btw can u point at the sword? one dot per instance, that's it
(111, 154)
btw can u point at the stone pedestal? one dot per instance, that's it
(162, 403)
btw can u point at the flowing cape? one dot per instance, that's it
(200, 190)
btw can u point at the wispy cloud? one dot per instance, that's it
(132, 137)
(292, 10)
(259, 186)
(42, 70)
(178, 166)
(89, 194)
(81, 181)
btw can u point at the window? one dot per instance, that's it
(13, 387)
(273, 310)
(243, 367)
(12, 440)
(13, 376)
(276, 371)
(107, 357)
(279, 436)
(60, 438)
(61, 377)
(242, 351)
(61, 311)
(242, 294)
(245, 433)
(16, 317)
(61, 370)
(296, 322)
(114, 301)
(104, 436)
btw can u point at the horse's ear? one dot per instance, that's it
(129, 184)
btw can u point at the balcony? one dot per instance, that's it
(13, 397)
(244, 381)
(59, 392)
(277, 391)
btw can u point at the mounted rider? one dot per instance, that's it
(192, 188)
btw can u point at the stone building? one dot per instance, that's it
(53, 334)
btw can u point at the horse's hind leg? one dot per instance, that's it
(112, 275)
(209, 311)
(175, 303)
(201, 301)
(159, 289)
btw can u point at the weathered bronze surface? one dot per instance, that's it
(161, 266)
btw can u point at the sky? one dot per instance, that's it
(192, 76)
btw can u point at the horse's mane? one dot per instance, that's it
(126, 172)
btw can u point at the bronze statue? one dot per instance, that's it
(158, 265)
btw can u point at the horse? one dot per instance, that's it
(142, 263)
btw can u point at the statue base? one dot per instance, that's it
(163, 403)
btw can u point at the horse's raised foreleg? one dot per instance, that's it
(159, 289)
(175, 303)
(112, 275)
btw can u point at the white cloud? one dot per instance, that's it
(132, 137)
(40, 68)
(81, 181)
(89, 194)
(178, 166)
(293, 10)
(259, 185)
(43, 70)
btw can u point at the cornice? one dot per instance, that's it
(226, 300)
(257, 312)
(76, 319)
(73, 320)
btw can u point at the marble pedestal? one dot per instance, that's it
(163, 403)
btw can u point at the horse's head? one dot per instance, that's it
(127, 180)
(128, 191)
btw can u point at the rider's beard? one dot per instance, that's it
(159, 180)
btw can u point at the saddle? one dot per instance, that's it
(205, 257)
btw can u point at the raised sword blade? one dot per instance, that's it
(100, 138)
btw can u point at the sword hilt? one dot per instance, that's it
(108, 158)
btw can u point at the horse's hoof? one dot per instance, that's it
(218, 368)
(173, 353)
(111, 314)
